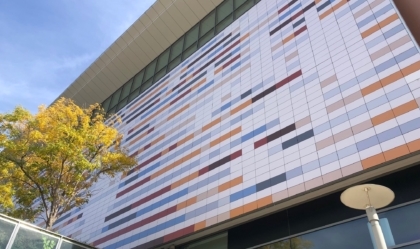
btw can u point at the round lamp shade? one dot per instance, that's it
(363, 196)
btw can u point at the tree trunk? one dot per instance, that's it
(50, 222)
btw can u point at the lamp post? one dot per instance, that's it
(368, 197)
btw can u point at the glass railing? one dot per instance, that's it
(16, 234)
(201, 33)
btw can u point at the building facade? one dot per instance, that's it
(248, 122)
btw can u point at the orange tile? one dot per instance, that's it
(191, 201)
(396, 152)
(197, 85)
(185, 139)
(414, 145)
(264, 201)
(326, 13)
(193, 176)
(404, 108)
(185, 107)
(180, 182)
(218, 70)
(388, 20)
(236, 212)
(211, 124)
(199, 225)
(411, 69)
(373, 161)
(158, 140)
(250, 206)
(381, 118)
(370, 31)
(244, 37)
(215, 142)
(371, 88)
(224, 186)
(241, 107)
(290, 37)
(236, 181)
(184, 69)
(181, 205)
(391, 78)
(341, 3)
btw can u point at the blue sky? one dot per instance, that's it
(46, 44)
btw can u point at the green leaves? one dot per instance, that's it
(49, 161)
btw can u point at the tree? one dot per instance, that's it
(49, 161)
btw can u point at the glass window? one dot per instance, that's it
(133, 94)
(122, 104)
(215, 242)
(240, 2)
(105, 104)
(207, 23)
(223, 24)
(137, 80)
(6, 230)
(150, 70)
(203, 40)
(224, 9)
(146, 85)
(174, 63)
(191, 36)
(115, 98)
(176, 48)
(243, 8)
(159, 75)
(112, 110)
(415, 246)
(189, 51)
(126, 90)
(163, 60)
(403, 224)
(32, 239)
(69, 245)
(285, 244)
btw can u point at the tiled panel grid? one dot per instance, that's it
(294, 94)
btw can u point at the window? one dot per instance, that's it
(223, 24)
(150, 70)
(191, 36)
(163, 60)
(126, 90)
(207, 23)
(105, 104)
(137, 80)
(224, 9)
(174, 63)
(189, 51)
(115, 98)
(243, 8)
(176, 48)
(207, 37)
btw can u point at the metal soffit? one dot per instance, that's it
(160, 26)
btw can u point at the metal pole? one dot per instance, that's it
(376, 228)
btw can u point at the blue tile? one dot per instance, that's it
(311, 78)
(389, 134)
(357, 111)
(377, 102)
(328, 159)
(367, 143)
(214, 153)
(406, 54)
(296, 86)
(410, 126)
(366, 21)
(385, 65)
(393, 31)
(321, 128)
(293, 173)
(275, 149)
(345, 152)
(339, 120)
(366, 75)
(383, 10)
(349, 84)
(332, 93)
(398, 92)
(310, 166)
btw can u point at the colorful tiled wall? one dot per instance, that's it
(292, 95)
